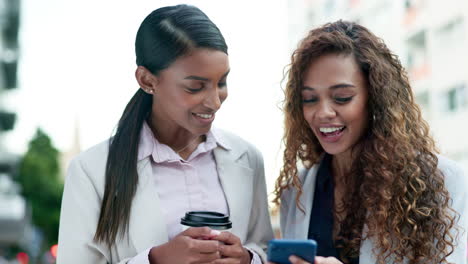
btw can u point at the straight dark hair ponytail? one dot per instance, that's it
(121, 169)
(165, 35)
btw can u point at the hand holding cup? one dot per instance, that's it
(187, 248)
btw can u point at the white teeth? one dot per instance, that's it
(330, 129)
(205, 116)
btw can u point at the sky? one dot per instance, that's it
(77, 67)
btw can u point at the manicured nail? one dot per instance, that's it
(292, 258)
(214, 233)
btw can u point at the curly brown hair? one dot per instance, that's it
(394, 186)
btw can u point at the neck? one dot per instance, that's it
(341, 165)
(180, 140)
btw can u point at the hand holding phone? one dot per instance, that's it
(279, 250)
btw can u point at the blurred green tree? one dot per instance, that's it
(39, 176)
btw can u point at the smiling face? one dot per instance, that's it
(189, 92)
(334, 97)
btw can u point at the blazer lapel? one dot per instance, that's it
(306, 200)
(237, 182)
(147, 226)
(366, 252)
(302, 220)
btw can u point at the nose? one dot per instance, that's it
(213, 99)
(325, 111)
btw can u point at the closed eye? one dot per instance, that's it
(310, 100)
(200, 86)
(342, 100)
(191, 90)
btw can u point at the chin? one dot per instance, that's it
(334, 150)
(202, 130)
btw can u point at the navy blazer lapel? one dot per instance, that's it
(237, 181)
(147, 226)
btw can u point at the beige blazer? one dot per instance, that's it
(295, 224)
(242, 177)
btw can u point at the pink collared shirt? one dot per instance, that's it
(184, 185)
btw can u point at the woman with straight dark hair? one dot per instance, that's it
(124, 198)
(372, 187)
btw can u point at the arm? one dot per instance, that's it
(78, 219)
(259, 230)
(81, 204)
(79, 215)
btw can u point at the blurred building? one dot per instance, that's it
(429, 36)
(14, 213)
(75, 148)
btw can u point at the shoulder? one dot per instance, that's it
(455, 182)
(449, 167)
(97, 154)
(453, 173)
(90, 165)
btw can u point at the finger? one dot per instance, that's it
(296, 260)
(208, 257)
(226, 261)
(319, 260)
(201, 232)
(328, 260)
(228, 238)
(205, 246)
(231, 250)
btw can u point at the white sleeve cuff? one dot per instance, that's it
(255, 257)
(141, 258)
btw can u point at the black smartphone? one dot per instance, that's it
(279, 250)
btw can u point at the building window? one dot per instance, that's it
(414, 4)
(7, 120)
(416, 59)
(456, 98)
(408, 4)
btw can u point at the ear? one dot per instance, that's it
(146, 80)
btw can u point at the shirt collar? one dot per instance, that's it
(218, 137)
(150, 146)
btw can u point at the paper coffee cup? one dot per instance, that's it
(213, 220)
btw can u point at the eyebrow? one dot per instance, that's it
(333, 87)
(199, 78)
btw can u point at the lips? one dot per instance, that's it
(331, 134)
(204, 118)
(331, 131)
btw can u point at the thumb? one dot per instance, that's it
(200, 232)
(319, 260)
(296, 260)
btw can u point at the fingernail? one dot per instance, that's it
(214, 233)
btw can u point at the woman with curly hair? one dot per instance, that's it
(372, 188)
